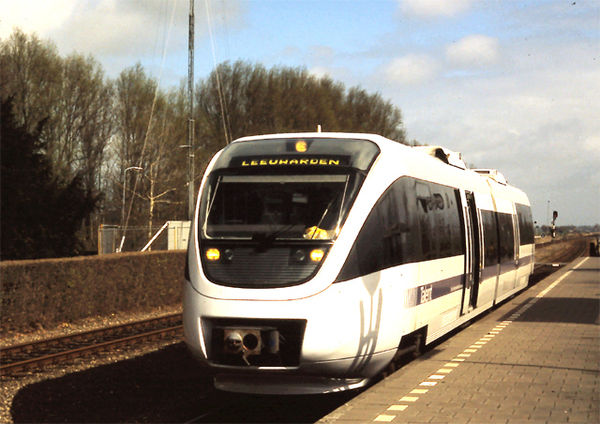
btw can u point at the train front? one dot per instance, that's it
(261, 309)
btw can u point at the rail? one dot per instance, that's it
(27, 356)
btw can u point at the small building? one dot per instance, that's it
(179, 232)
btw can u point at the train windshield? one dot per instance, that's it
(270, 207)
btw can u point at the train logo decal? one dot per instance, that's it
(426, 293)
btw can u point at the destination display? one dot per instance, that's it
(298, 152)
(277, 161)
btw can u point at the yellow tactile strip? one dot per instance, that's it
(440, 374)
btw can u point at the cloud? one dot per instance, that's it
(411, 69)
(93, 29)
(434, 8)
(320, 72)
(591, 145)
(474, 50)
(537, 126)
(336, 73)
(116, 31)
(321, 54)
(140, 23)
(34, 16)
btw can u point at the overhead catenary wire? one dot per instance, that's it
(149, 126)
(224, 117)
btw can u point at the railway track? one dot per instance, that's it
(26, 356)
(556, 254)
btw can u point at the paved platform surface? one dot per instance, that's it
(536, 358)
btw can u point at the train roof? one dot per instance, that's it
(379, 140)
(432, 154)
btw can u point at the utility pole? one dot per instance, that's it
(190, 141)
(131, 168)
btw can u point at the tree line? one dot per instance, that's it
(82, 130)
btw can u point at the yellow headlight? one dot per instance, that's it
(213, 254)
(301, 146)
(316, 255)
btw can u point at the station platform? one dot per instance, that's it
(535, 358)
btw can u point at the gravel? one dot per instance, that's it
(11, 385)
(11, 338)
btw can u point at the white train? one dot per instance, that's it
(317, 258)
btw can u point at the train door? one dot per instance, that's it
(472, 257)
(516, 246)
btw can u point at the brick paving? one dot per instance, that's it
(536, 358)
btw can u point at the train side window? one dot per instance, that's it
(366, 254)
(525, 224)
(413, 221)
(458, 240)
(369, 248)
(447, 222)
(387, 236)
(424, 208)
(439, 221)
(391, 232)
(506, 237)
(401, 233)
(490, 237)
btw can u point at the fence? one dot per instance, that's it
(110, 237)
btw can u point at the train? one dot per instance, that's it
(316, 260)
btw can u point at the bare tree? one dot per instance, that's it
(30, 71)
(73, 98)
(244, 99)
(150, 127)
(96, 128)
(164, 173)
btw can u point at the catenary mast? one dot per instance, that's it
(190, 141)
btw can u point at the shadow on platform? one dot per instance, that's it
(573, 310)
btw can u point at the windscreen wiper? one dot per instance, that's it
(265, 239)
(331, 204)
(211, 200)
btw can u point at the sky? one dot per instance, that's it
(512, 84)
